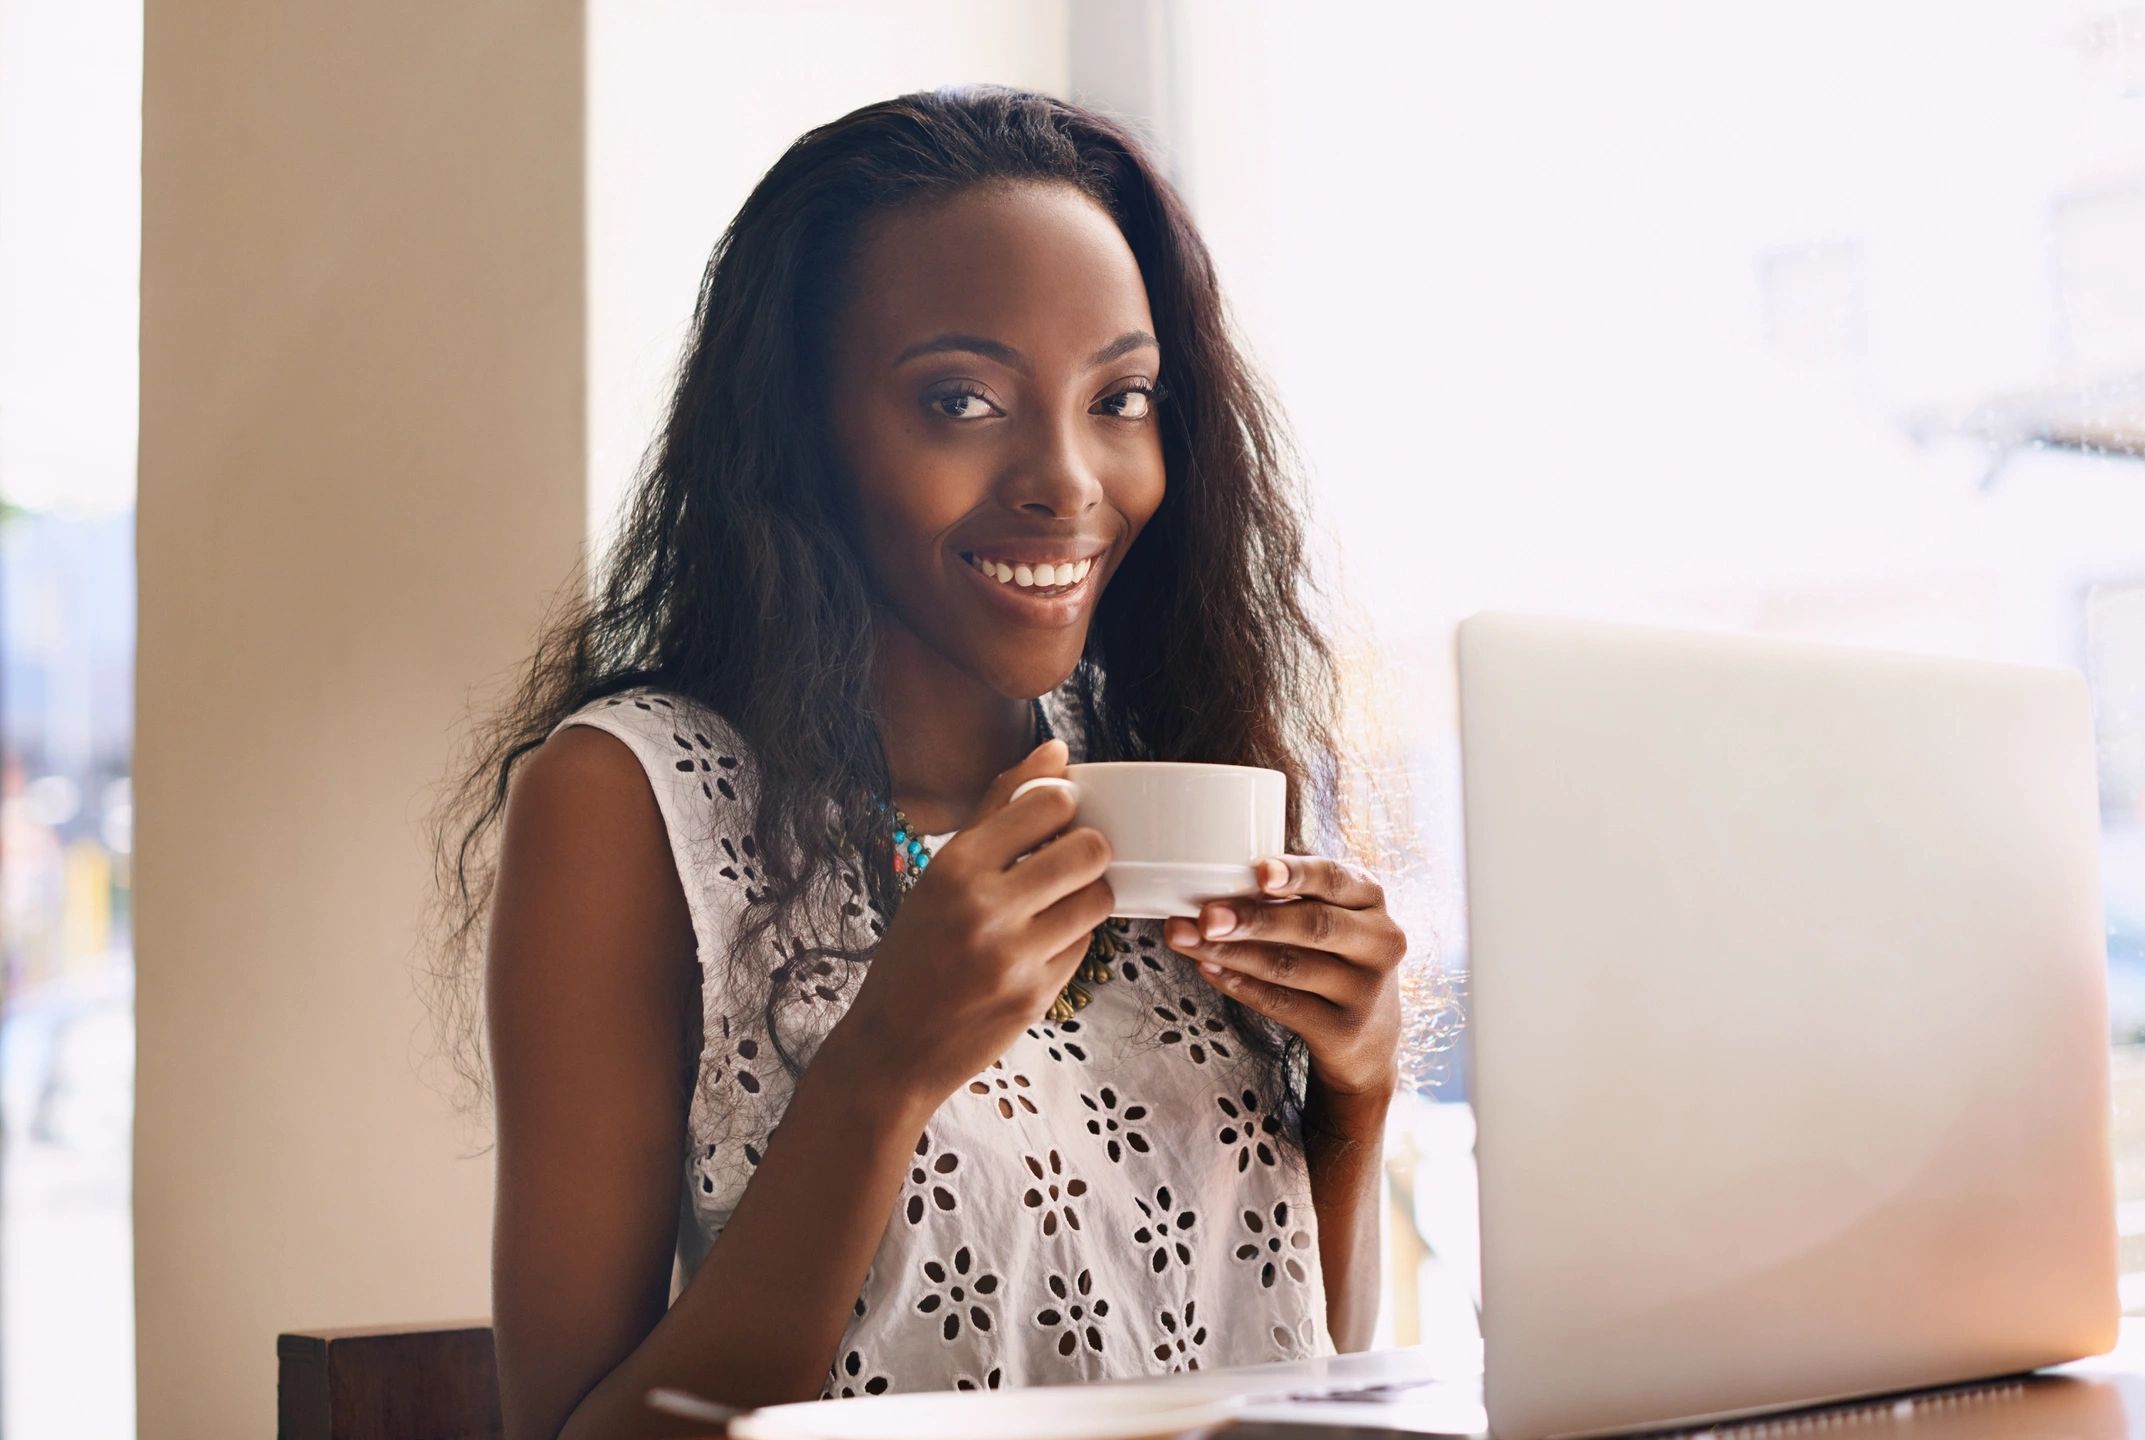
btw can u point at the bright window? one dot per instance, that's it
(1820, 320)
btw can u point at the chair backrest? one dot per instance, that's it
(408, 1382)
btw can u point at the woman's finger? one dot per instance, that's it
(1318, 1020)
(1299, 967)
(1364, 937)
(1336, 882)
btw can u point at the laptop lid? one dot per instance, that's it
(1790, 1050)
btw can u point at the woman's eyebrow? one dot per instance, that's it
(1006, 355)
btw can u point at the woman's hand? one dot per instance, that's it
(994, 927)
(1320, 958)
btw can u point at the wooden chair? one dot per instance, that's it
(388, 1382)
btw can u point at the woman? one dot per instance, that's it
(963, 480)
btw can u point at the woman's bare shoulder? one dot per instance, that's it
(687, 743)
(585, 860)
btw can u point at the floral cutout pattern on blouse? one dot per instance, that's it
(1108, 1199)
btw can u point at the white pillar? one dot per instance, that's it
(362, 453)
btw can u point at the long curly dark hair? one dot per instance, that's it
(734, 580)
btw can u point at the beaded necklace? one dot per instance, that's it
(911, 856)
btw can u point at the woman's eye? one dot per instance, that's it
(1133, 403)
(961, 405)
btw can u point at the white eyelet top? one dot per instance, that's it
(1108, 1199)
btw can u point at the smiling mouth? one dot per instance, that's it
(1022, 580)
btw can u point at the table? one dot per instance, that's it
(1430, 1394)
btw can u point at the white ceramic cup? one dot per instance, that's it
(1181, 833)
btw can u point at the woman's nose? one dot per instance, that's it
(1056, 472)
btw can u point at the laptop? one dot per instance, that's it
(1789, 1031)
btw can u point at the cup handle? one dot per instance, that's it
(1026, 785)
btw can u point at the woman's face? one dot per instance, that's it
(990, 403)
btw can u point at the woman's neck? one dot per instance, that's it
(947, 735)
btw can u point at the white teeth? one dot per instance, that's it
(1035, 576)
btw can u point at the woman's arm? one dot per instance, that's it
(1344, 1143)
(590, 976)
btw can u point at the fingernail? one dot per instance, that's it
(1210, 967)
(1276, 872)
(1220, 922)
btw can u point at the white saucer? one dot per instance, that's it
(1174, 1411)
(1156, 890)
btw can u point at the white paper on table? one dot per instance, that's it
(1435, 1407)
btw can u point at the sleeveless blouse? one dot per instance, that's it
(1107, 1200)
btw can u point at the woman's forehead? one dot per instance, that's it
(1033, 265)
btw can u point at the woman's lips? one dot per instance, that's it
(1025, 607)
